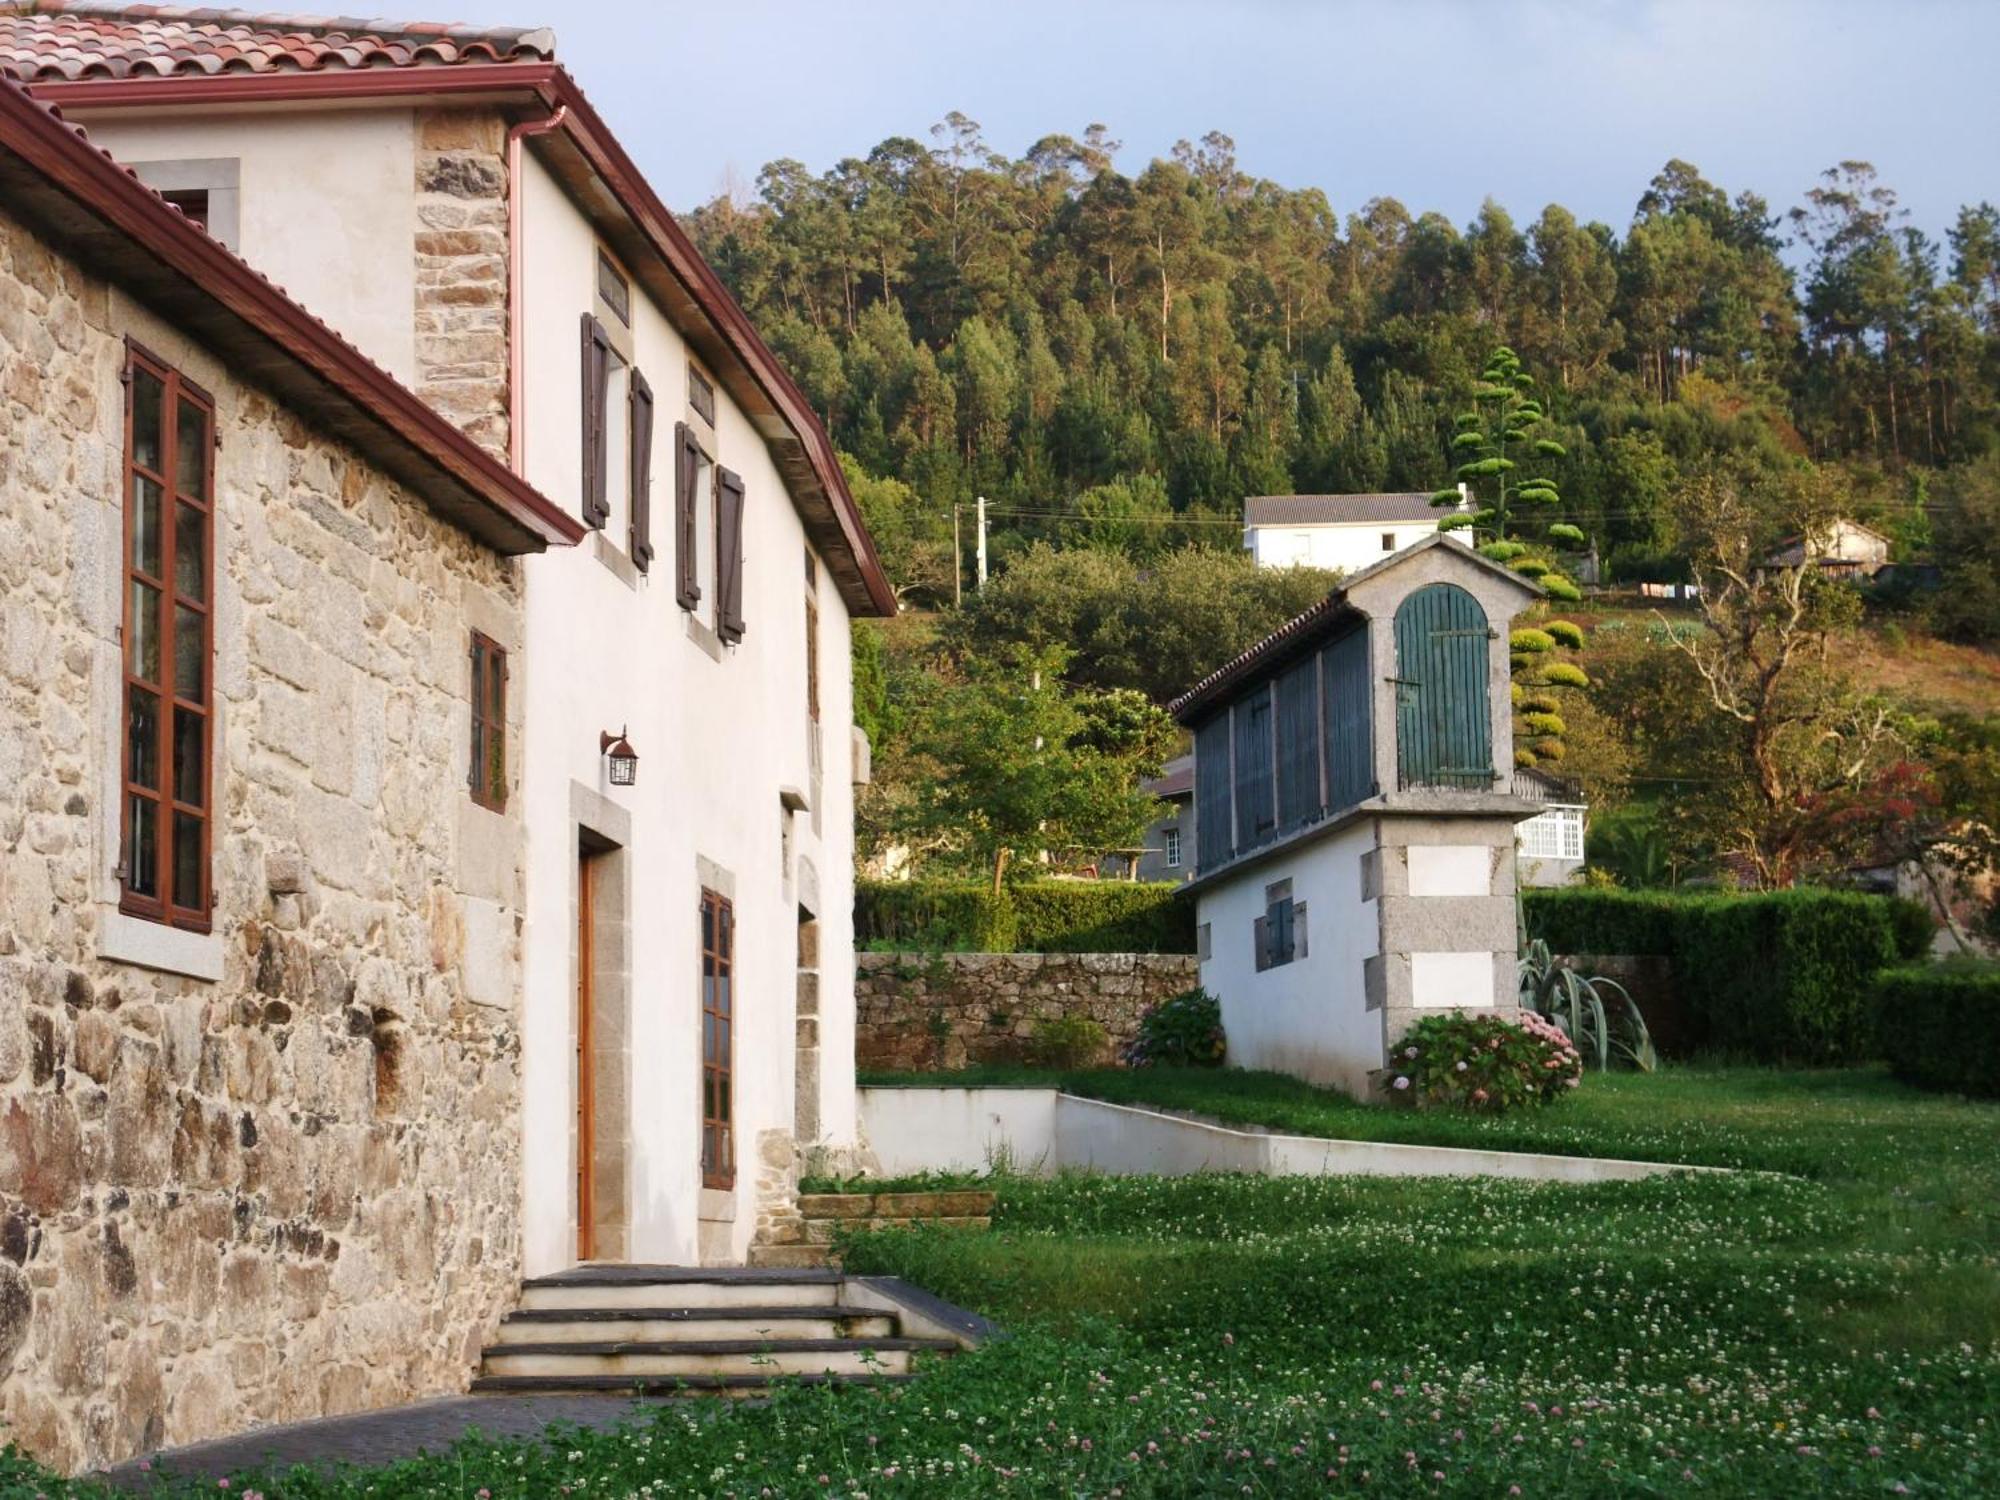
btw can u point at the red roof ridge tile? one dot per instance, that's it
(42, 40)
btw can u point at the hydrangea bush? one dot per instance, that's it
(1184, 1030)
(1489, 1063)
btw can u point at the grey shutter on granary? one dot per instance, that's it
(1349, 713)
(1298, 745)
(1256, 810)
(1443, 714)
(1213, 842)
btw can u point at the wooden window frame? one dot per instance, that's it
(688, 454)
(1388, 541)
(614, 287)
(701, 393)
(163, 906)
(489, 727)
(717, 934)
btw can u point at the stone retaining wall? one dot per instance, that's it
(931, 1011)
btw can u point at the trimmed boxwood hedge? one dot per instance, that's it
(1043, 916)
(1781, 976)
(1941, 1025)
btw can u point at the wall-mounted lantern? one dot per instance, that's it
(624, 759)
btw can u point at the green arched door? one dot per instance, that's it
(1444, 717)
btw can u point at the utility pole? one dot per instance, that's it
(957, 560)
(982, 542)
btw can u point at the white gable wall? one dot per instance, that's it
(326, 203)
(1348, 546)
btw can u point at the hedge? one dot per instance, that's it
(1941, 1025)
(1781, 976)
(1044, 916)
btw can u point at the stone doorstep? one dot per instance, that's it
(904, 1206)
(822, 1231)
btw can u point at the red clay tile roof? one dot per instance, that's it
(45, 40)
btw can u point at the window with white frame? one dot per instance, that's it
(1553, 833)
(1173, 843)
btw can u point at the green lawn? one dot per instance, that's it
(1833, 1328)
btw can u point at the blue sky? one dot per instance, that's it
(1436, 102)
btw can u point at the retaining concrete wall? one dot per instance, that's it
(943, 1011)
(1045, 1130)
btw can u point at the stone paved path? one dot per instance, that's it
(380, 1437)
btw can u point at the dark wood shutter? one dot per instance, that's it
(1213, 830)
(596, 377)
(687, 462)
(642, 472)
(1443, 707)
(1350, 771)
(729, 556)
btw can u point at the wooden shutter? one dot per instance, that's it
(642, 472)
(1348, 692)
(1443, 708)
(596, 376)
(687, 462)
(729, 556)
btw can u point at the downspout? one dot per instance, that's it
(517, 427)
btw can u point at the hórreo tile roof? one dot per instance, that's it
(46, 40)
(1340, 510)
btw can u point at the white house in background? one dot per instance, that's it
(1844, 548)
(1355, 812)
(1550, 844)
(1347, 532)
(455, 207)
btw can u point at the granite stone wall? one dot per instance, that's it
(461, 250)
(291, 1190)
(918, 1011)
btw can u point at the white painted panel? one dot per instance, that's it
(1464, 980)
(957, 1130)
(1451, 870)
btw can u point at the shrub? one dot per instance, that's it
(1566, 632)
(1046, 916)
(1561, 588)
(1109, 916)
(1566, 674)
(1483, 1063)
(1780, 976)
(1940, 1025)
(1070, 1042)
(931, 916)
(1527, 638)
(1182, 1031)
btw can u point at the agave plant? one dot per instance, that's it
(1598, 1014)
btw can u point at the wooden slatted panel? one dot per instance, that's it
(1443, 716)
(1256, 806)
(1350, 714)
(1298, 745)
(1213, 844)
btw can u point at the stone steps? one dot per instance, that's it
(664, 1324)
(822, 1231)
(658, 1330)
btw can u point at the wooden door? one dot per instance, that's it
(1443, 699)
(586, 1071)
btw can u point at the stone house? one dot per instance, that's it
(668, 776)
(259, 957)
(1842, 549)
(1355, 814)
(1343, 532)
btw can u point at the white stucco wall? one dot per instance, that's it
(1308, 1017)
(912, 1130)
(1348, 547)
(326, 206)
(718, 736)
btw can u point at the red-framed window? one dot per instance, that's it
(167, 742)
(488, 772)
(718, 1041)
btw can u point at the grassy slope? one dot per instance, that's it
(1834, 1332)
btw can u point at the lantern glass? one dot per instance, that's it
(624, 766)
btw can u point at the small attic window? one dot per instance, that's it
(701, 395)
(613, 290)
(192, 202)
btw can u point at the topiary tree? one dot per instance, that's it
(1497, 443)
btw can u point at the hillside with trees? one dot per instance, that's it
(1134, 354)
